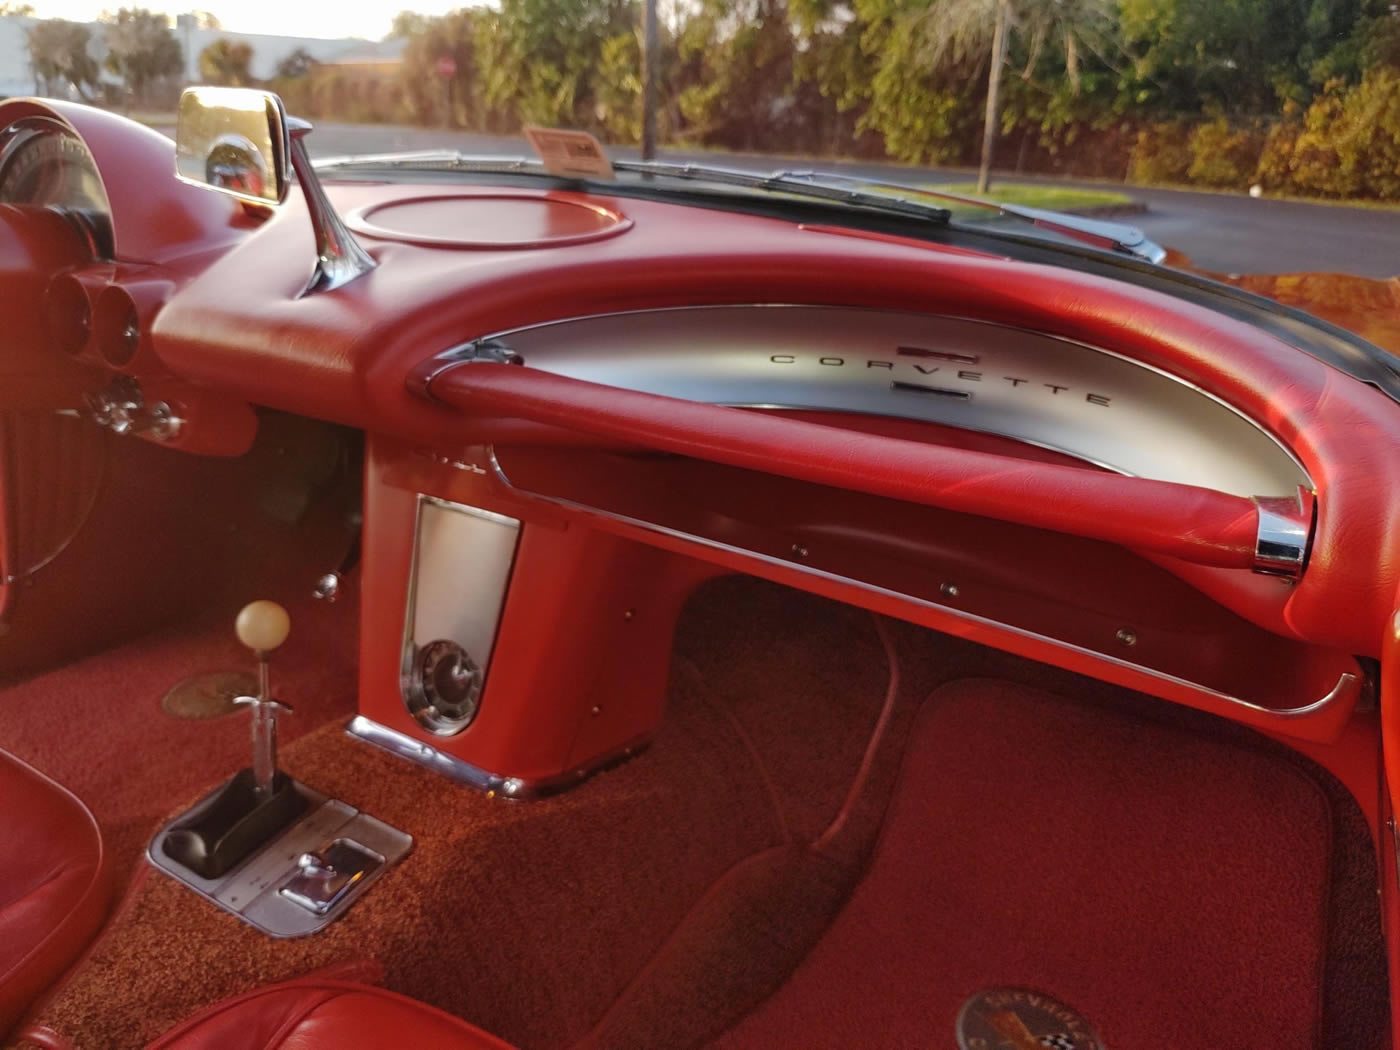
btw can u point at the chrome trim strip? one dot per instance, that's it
(1346, 683)
(519, 788)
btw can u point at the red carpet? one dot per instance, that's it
(1169, 887)
(96, 725)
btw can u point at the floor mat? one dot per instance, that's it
(1169, 887)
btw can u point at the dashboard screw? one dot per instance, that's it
(628, 614)
(949, 590)
(1126, 636)
(799, 551)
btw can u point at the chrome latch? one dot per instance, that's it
(121, 407)
(1285, 532)
(322, 880)
(478, 351)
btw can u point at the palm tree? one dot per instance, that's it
(959, 29)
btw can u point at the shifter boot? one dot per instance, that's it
(221, 832)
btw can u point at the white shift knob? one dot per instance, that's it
(262, 625)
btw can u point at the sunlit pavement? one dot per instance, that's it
(1230, 233)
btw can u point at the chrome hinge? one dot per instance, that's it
(489, 351)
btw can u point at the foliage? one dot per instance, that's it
(1348, 144)
(429, 97)
(10, 10)
(541, 59)
(1300, 95)
(141, 48)
(1235, 56)
(1222, 155)
(226, 62)
(296, 64)
(1162, 153)
(58, 54)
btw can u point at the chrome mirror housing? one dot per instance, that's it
(240, 141)
(234, 140)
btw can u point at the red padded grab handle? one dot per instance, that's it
(1184, 521)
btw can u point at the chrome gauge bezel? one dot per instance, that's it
(92, 218)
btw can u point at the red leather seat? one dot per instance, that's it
(320, 1014)
(53, 884)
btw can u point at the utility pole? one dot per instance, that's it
(649, 75)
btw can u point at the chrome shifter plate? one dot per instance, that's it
(253, 890)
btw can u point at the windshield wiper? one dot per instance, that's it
(1113, 236)
(852, 190)
(795, 184)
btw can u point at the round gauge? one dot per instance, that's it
(444, 687)
(44, 164)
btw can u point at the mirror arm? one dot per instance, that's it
(339, 257)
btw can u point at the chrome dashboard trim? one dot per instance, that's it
(519, 788)
(1347, 683)
(1029, 386)
(1284, 537)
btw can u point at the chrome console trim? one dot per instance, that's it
(520, 788)
(254, 891)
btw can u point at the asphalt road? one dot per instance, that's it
(1228, 233)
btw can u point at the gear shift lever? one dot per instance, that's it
(259, 802)
(263, 626)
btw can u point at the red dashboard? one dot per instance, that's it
(202, 306)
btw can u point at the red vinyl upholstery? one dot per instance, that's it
(53, 884)
(320, 1014)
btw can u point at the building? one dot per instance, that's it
(16, 78)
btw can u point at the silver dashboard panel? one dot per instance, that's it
(462, 561)
(1090, 403)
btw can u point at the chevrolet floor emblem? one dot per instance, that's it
(1022, 1019)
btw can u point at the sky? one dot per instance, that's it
(364, 18)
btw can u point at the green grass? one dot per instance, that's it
(1028, 195)
(1052, 198)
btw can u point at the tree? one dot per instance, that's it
(738, 60)
(297, 64)
(58, 54)
(961, 29)
(408, 24)
(226, 62)
(141, 48)
(9, 10)
(541, 59)
(433, 98)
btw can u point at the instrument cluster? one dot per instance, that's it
(45, 164)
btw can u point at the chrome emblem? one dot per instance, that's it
(1022, 1019)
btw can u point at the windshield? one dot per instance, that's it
(1257, 144)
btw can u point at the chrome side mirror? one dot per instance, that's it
(240, 141)
(234, 140)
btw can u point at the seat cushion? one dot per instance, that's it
(320, 1014)
(53, 884)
